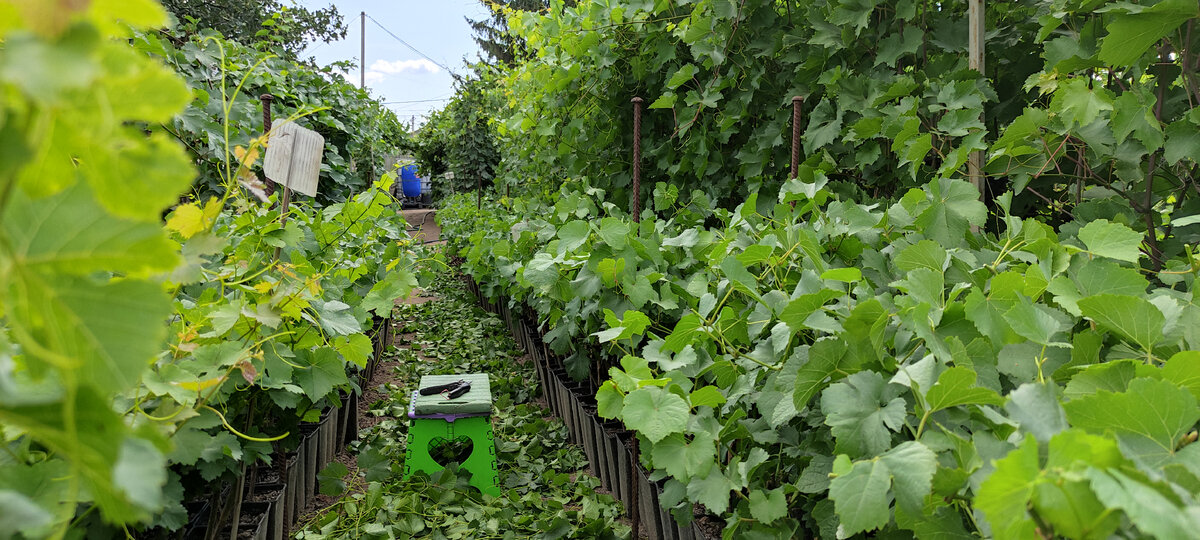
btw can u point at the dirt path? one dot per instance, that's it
(422, 224)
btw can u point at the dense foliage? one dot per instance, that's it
(1087, 108)
(143, 365)
(831, 368)
(460, 138)
(871, 348)
(290, 26)
(227, 78)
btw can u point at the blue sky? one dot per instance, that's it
(412, 84)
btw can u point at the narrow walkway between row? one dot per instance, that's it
(547, 492)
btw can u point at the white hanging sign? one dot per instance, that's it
(294, 157)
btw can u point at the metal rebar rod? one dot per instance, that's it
(268, 185)
(797, 102)
(637, 159)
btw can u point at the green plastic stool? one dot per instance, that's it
(435, 417)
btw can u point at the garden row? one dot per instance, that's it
(814, 366)
(546, 490)
(148, 372)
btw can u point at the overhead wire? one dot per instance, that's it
(406, 44)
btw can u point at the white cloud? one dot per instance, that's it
(400, 66)
(374, 77)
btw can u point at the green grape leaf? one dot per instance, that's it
(655, 412)
(336, 317)
(683, 334)
(1149, 419)
(1078, 103)
(955, 207)
(381, 299)
(141, 472)
(1183, 369)
(861, 409)
(739, 276)
(572, 235)
(1114, 240)
(1153, 512)
(1130, 317)
(1132, 35)
(711, 490)
(1037, 407)
(97, 450)
(320, 371)
(68, 232)
(956, 386)
(798, 310)
(609, 400)
(707, 396)
(923, 254)
(860, 497)
(1035, 322)
(355, 348)
(613, 232)
(768, 506)
(329, 480)
(110, 332)
(681, 76)
(30, 496)
(824, 360)
(1182, 142)
(845, 275)
(685, 459)
(19, 513)
(141, 176)
(912, 466)
(1004, 495)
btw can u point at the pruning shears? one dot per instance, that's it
(451, 389)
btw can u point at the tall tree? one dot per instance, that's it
(492, 35)
(289, 25)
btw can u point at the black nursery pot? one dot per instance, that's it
(326, 433)
(612, 449)
(625, 480)
(310, 469)
(253, 521)
(587, 433)
(648, 505)
(273, 494)
(292, 493)
(351, 407)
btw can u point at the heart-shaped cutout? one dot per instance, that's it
(446, 451)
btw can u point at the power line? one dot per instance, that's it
(418, 100)
(405, 43)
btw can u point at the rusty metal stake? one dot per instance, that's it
(266, 111)
(797, 102)
(637, 166)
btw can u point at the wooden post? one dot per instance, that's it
(975, 19)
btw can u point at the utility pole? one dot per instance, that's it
(362, 56)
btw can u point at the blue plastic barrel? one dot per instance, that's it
(409, 181)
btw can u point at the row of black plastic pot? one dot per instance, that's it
(273, 498)
(610, 448)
